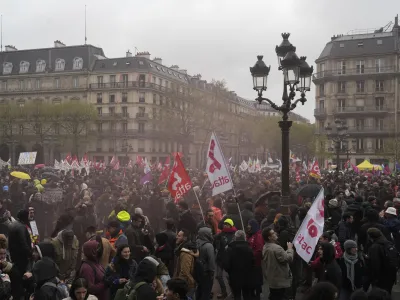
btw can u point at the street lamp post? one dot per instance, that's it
(337, 134)
(296, 77)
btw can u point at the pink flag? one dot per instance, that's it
(311, 229)
(355, 169)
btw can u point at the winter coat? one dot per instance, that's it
(276, 266)
(45, 270)
(187, 221)
(222, 240)
(247, 215)
(330, 271)
(136, 241)
(206, 249)
(66, 255)
(359, 271)
(239, 263)
(345, 232)
(363, 237)
(256, 241)
(93, 272)
(377, 271)
(393, 226)
(185, 264)
(119, 239)
(19, 244)
(90, 297)
(119, 268)
(146, 272)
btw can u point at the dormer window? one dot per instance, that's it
(7, 68)
(60, 64)
(23, 67)
(40, 65)
(77, 63)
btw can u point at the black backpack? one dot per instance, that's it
(392, 257)
(60, 290)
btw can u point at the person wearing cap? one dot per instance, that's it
(124, 218)
(380, 273)
(353, 269)
(392, 223)
(221, 241)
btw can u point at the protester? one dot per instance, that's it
(79, 290)
(66, 247)
(207, 258)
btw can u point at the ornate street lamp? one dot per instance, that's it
(338, 135)
(296, 77)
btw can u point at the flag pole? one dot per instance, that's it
(201, 210)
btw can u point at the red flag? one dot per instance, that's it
(297, 176)
(74, 158)
(177, 153)
(85, 158)
(68, 158)
(179, 182)
(130, 165)
(116, 165)
(315, 172)
(165, 171)
(159, 166)
(113, 161)
(139, 161)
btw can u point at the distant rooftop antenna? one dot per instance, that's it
(136, 50)
(85, 26)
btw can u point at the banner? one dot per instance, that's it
(27, 158)
(216, 169)
(179, 182)
(315, 172)
(311, 229)
(52, 195)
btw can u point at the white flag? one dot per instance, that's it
(243, 166)
(216, 169)
(56, 164)
(311, 229)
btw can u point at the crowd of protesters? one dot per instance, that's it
(110, 237)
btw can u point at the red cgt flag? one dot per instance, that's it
(165, 171)
(315, 172)
(179, 182)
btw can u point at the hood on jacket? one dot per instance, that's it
(44, 270)
(205, 234)
(46, 249)
(146, 271)
(254, 226)
(161, 238)
(23, 216)
(328, 252)
(90, 250)
(372, 215)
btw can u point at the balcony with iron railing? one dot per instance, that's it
(361, 109)
(108, 116)
(131, 84)
(368, 130)
(140, 116)
(319, 112)
(355, 71)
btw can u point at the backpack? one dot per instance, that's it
(60, 288)
(128, 292)
(392, 257)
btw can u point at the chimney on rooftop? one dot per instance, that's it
(143, 54)
(58, 44)
(157, 60)
(10, 48)
(396, 22)
(175, 67)
(128, 53)
(183, 71)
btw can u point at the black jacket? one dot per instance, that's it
(359, 270)
(363, 237)
(331, 271)
(19, 243)
(45, 270)
(233, 214)
(239, 263)
(345, 232)
(246, 216)
(377, 272)
(221, 241)
(187, 221)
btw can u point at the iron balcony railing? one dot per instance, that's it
(354, 71)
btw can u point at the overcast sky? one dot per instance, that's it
(217, 38)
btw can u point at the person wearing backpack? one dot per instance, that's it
(48, 286)
(93, 272)
(383, 261)
(207, 260)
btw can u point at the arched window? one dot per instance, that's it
(40, 65)
(7, 68)
(60, 64)
(77, 63)
(23, 67)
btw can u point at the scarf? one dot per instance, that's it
(350, 260)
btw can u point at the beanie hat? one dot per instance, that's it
(123, 216)
(374, 233)
(333, 203)
(349, 244)
(229, 221)
(240, 235)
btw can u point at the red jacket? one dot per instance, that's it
(256, 243)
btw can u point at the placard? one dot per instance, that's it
(27, 158)
(52, 195)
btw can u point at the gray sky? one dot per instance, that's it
(217, 38)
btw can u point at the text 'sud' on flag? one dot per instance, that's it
(218, 173)
(179, 182)
(311, 229)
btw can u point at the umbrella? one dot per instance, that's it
(20, 175)
(51, 176)
(308, 191)
(39, 166)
